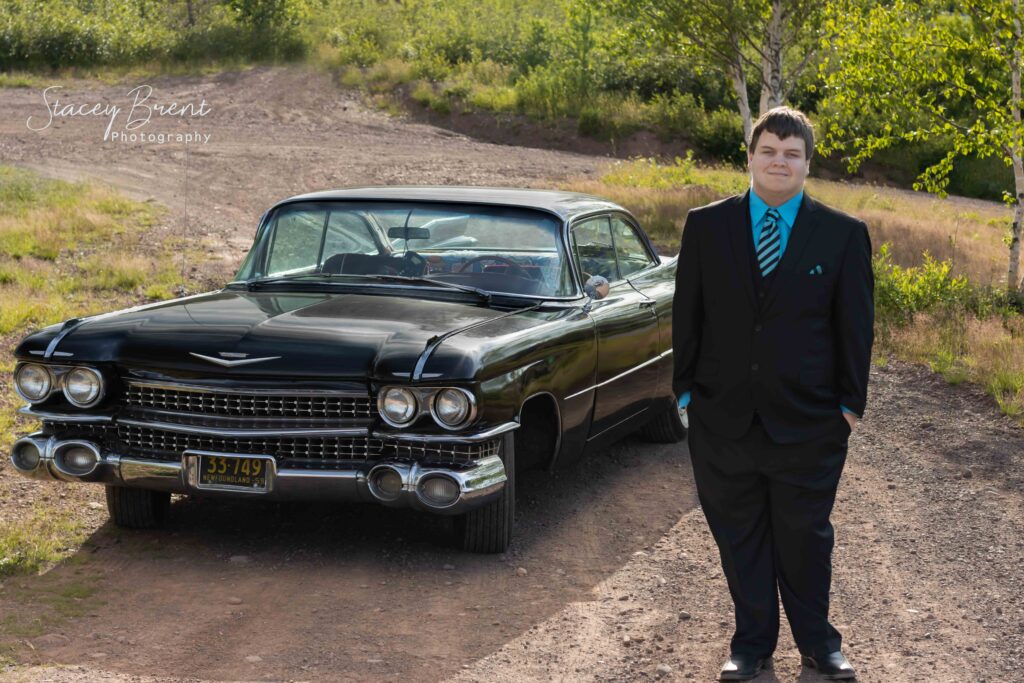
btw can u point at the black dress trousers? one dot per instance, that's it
(768, 508)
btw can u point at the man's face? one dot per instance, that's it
(778, 168)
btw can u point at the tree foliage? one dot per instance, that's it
(923, 71)
(771, 40)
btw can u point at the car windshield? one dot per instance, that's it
(496, 249)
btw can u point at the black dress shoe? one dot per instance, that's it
(743, 667)
(832, 667)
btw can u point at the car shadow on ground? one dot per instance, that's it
(244, 589)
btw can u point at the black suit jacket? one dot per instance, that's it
(792, 352)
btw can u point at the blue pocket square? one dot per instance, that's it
(816, 270)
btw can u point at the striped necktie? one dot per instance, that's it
(768, 247)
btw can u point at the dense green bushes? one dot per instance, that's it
(901, 292)
(83, 33)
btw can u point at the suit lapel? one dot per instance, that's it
(803, 229)
(739, 225)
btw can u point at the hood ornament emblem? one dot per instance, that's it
(226, 362)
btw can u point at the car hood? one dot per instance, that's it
(303, 335)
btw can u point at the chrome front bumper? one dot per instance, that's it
(479, 483)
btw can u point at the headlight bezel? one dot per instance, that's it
(58, 375)
(382, 399)
(425, 398)
(100, 384)
(51, 386)
(470, 415)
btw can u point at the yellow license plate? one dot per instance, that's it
(232, 471)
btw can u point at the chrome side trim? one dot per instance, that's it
(619, 376)
(434, 342)
(48, 416)
(461, 438)
(173, 386)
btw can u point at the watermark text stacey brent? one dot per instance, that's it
(138, 113)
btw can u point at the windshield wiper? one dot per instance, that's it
(254, 284)
(482, 293)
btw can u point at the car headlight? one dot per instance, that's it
(452, 408)
(33, 382)
(83, 387)
(398, 406)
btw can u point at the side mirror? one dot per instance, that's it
(597, 287)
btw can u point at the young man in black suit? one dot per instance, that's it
(772, 331)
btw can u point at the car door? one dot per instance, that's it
(627, 329)
(640, 264)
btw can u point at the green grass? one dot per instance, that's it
(66, 250)
(20, 79)
(56, 259)
(38, 542)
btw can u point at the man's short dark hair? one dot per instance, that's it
(784, 122)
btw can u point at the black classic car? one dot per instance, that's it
(409, 346)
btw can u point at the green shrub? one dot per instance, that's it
(542, 94)
(901, 293)
(721, 135)
(677, 114)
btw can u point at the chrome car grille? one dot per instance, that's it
(158, 442)
(296, 452)
(459, 452)
(256, 404)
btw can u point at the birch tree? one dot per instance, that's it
(930, 70)
(772, 41)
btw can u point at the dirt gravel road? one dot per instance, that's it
(612, 575)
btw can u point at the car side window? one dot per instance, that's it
(595, 251)
(629, 248)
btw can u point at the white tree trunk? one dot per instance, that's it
(1013, 281)
(739, 84)
(771, 61)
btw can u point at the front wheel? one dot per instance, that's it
(138, 508)
(488, 529)
(667, 426)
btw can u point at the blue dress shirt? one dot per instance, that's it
(788, 212)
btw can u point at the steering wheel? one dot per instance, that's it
(520, 271)
(413, 264)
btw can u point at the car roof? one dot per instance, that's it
(565, 205)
